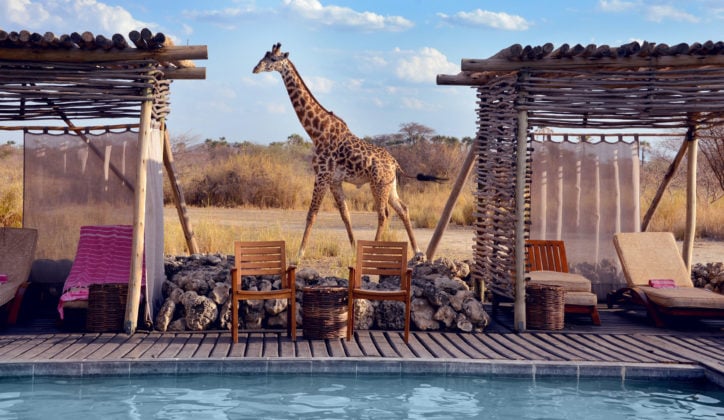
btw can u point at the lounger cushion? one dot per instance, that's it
(684, 297)
(651, 255)
(581, 299)
(569, 281)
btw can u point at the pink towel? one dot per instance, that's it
(3, 278)
(662, 283)
(103, 256)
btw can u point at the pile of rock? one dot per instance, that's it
(196, 298)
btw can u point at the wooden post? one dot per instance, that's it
(690, 232)
(668, 176)
(520, 172)
(447, 211)
(178, 196)
(139, 218)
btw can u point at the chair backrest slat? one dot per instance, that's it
(549, 255)
(260, 258)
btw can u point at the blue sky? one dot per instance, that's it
(373, 62)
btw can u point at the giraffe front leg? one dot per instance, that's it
(320, 188)
(339, 200)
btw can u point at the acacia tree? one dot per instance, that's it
(415, 132)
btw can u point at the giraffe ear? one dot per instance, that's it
(286, 55)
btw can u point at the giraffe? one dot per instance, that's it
(340, 156)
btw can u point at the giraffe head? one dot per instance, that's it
(272, 60)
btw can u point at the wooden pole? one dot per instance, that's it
(690, 232)
(139, 218)
(178, 196)
(447, 211)
(668, 176)
(520, 172)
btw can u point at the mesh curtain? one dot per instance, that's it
(583, 193)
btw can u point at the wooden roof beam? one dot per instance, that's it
(579, 62)
(166, 54)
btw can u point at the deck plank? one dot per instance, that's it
(206, 345)
(397, 341)
(562, 353)
(351, 348)
(303, 348)
(127, 346)
(382, 344)
(611, 352)
(432, 346)
(94, 346)
(236, 349)
(319, 348)
(190, 347)
(175, 346)
(366, 343)
(141, 348)
(450, 344)
(572, 347)
(271, 345)
(503, 353)
(52, 345)
(255, 345)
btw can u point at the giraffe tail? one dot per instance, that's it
(430, 178)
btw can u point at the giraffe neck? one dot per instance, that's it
(317, 121)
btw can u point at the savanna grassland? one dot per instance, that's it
(251, 191)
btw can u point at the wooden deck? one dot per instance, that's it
(624, 341)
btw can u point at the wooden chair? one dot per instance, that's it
(262, 258)
(548, 265)
(383, 259)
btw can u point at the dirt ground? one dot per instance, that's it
(456, 242)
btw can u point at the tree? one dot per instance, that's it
(415, 133)
(295, 140)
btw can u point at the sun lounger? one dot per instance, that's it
(17, 249)
(651, 262)
(103, 256)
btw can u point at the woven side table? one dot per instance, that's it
(325, 312)
(106, 307)
(544, 306)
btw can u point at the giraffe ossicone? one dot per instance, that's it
(340, 156)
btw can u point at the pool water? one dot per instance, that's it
(348, 397)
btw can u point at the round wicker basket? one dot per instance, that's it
(324, 310)
(106, 307)
(544, 306)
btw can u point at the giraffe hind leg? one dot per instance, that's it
(402, 212)
(339, 200)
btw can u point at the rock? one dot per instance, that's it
(200, 313)
(279, 320)
(275, 306)
(446, 315)
(475, 312)
(441, 297)
(422, 313)
(177, 325)
(390, 315)
(225, 315)
(364, 314)
(463, 323)
(220, 293)
(164, 317)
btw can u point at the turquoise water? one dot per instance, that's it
(347, 397)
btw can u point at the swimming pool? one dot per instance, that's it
(358, 397)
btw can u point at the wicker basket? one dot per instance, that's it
(544, 306)
(106, 307)
(325, 312)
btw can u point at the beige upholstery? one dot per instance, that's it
(569, 281)
(650, 255)
(646, 256)
(580, 299)
(17, 250)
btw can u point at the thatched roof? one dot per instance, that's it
(87, 76)
(634, 85)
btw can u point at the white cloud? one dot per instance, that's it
(664, 12)
(318, 84)
(314, 11)
(615, 5)
(66, 16)
(228, 18)
(423, 66)
(263, 79)
(276, 108)
(413, 103)
(479, 17)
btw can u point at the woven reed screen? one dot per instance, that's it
(495, 213)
